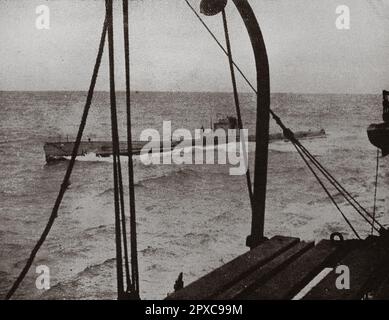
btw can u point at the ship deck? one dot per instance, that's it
(285, 268)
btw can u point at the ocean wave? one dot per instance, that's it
(200, 238)
(88, 277)
(90, 271)
(98, 228)
(316, 147)
(7, 233)
(94, 270)
(110, 191)
(181, 173)
(7, 141)
(156, 267)
(157, 251)
(223, 217)
(92, 157)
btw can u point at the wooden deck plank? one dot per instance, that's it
(292, 279)
(225, 276)
(262, 274)
(362, 263)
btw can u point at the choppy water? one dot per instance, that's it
(191, 218)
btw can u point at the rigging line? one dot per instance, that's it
(350, 199)
(347, 198)
(290, 135)
(375, 189)
(123, 222)
(118, 238)
(220, 45)
(337, 185)
(115, 145)
(237, 106)
(326, 190)
(65, 183)
(134, 249)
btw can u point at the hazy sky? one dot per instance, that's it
(170, 50)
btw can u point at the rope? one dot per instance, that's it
(326, 190)
(134, 250)
(348, 197)
(237, 105)
(375, 189)
(123, 222)
(118, 186)
(69, 170)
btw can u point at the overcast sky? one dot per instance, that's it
(170, 50)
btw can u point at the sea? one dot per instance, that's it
(191, 218)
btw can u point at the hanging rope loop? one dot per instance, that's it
(337, 237)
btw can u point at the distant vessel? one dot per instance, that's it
(232, 123)
(226, 123)
(60, 150)
(379, 133)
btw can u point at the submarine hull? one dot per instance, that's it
(56, 151)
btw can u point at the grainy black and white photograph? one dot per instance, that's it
(194, 150)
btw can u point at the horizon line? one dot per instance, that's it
(186, 91)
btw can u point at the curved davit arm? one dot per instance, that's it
(212, 7)
(262, 122)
